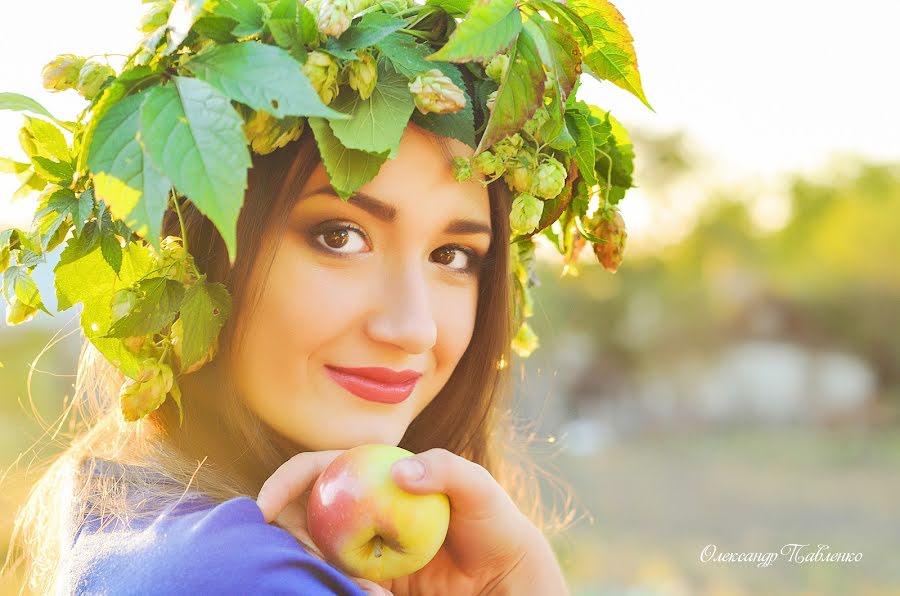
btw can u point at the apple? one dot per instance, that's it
(365, 524)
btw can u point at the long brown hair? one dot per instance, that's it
(223, 450)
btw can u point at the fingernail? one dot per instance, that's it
(410, 468)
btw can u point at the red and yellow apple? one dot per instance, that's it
(365, 524)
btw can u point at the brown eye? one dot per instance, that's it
(446, 254)
(338, 237)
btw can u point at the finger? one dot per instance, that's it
(293, 478)
(370, 587)
(469, 486)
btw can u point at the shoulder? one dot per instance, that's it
(224, 548)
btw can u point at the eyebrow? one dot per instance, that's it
(388, 213)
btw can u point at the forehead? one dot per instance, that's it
(420, 179)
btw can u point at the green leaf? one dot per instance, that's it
(181, 19)
(125, 178)
(455, 8)
(83, 275)
(611, 56)
(17, 282)
(292, 25)
(584, 145)
(195, 137)
(110, 95)
(158, 301)
(111, 249)
(406, 55)
(458, 125)
(376, 123)
(261, 76)
(348, 169)
(34, 184)
(563, 13)
(247, 14)
(559, 52)
(47, 140)
(10, 166)
(488, 29)
(372, 28)
(615, 158)
(22, 103)
(53, 211)
(204, 310)
(55, 172)
(520, 93)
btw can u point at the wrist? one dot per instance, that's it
(535, 572)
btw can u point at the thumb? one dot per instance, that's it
(469, 486)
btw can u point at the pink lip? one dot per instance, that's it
(375, 384)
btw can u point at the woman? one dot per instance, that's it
(164, 507)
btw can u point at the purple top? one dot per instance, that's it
(201, 547)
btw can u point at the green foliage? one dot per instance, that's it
(209, 78)
(377, 123)
(204, 310)
(194, 135)
(125, 178)
(609, 53)
(348, 169)
(489, 28)
(261, 76)
(520, 92)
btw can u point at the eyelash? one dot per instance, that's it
(475, 260)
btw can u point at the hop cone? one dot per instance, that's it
(496, 68)
(61, 73)
(138, 397)
(176, 262)
(526, 213)
(508, 147)
(91, 76)
(267, 133)
(488, 165)
(612, 230)
(333, 17)
(323, 72)
(549, 179)
(462, 171)
(541, 116)
(520, 172)
(435, 92)
(363, 74)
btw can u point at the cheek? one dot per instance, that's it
(306, 304)
(455, 310)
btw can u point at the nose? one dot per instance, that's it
(404, 316)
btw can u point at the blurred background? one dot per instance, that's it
(736, 383)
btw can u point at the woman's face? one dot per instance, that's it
(382, 280)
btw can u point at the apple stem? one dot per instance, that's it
(377, 546)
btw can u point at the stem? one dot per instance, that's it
(164, 352)
(414, 33)
(184, 240)
(378, 546)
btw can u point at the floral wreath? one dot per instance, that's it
(213, 80)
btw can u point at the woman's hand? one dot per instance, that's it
(489, 541)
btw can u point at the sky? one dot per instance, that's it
(762, 89)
